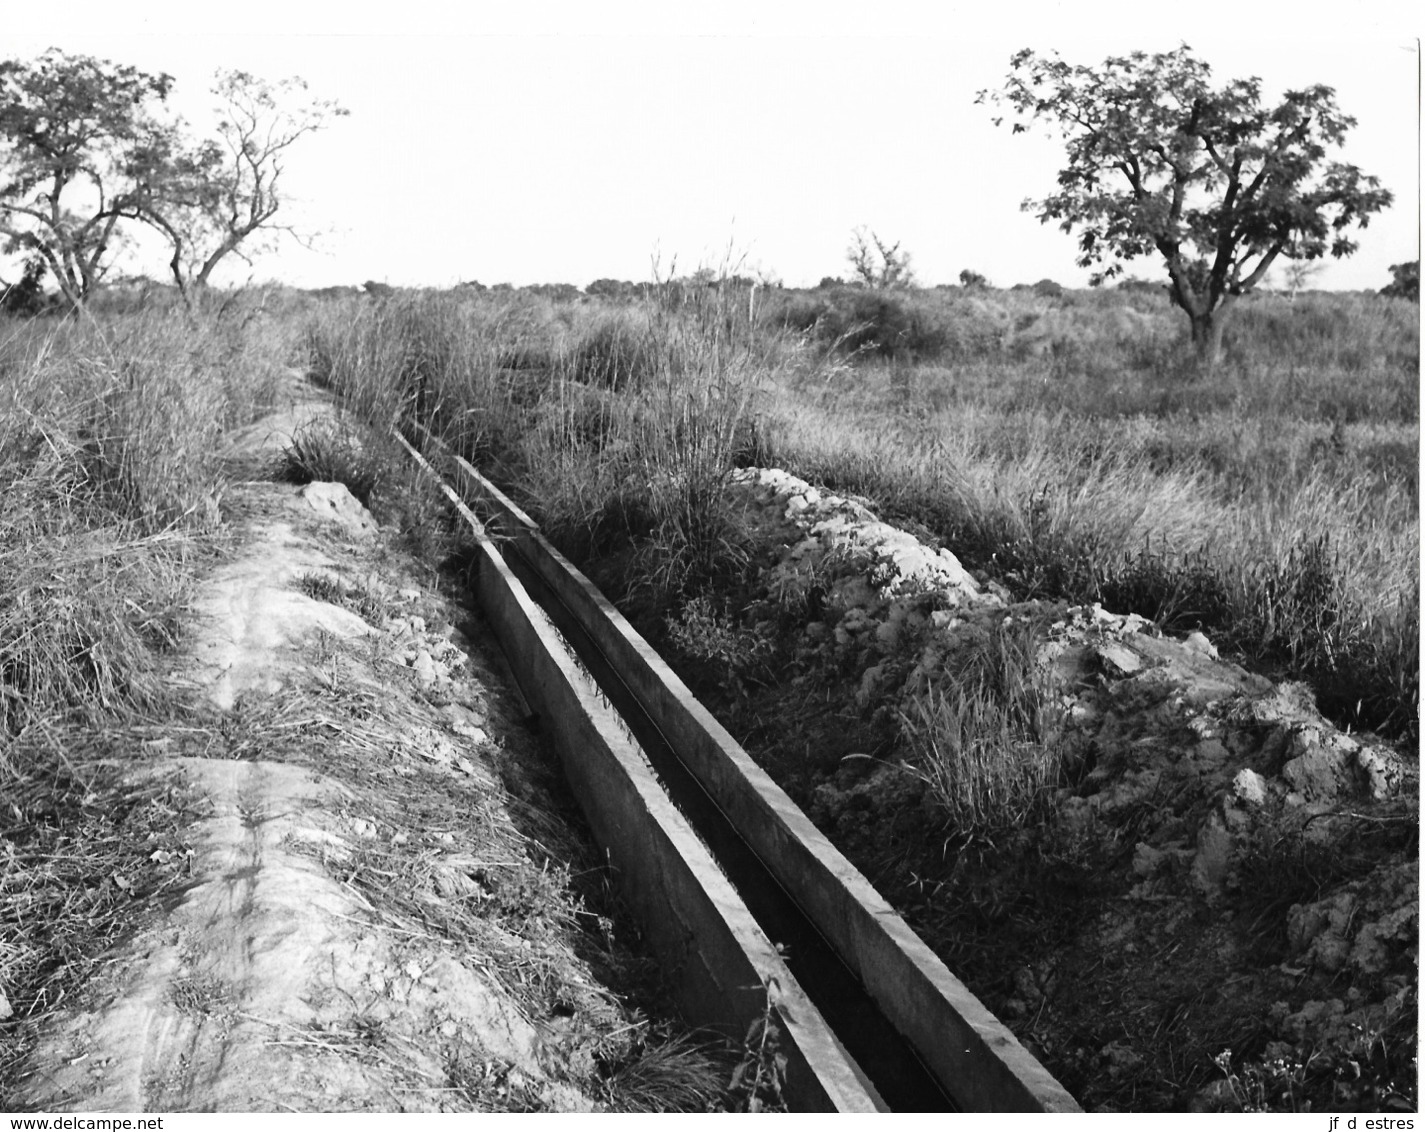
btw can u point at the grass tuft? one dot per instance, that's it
(327, 451)
(979, 737)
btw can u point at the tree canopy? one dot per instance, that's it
(69, 129)
(87, 146)
(220, 197)
(1162, 161)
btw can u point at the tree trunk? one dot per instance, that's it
(1207, 338)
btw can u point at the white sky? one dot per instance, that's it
(563, 142)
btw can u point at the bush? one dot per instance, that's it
(1406, 282)
(612, 289)
(27, 297)
(858, 320)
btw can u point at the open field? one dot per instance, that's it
(1058, 445)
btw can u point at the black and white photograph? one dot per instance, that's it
(750, 558)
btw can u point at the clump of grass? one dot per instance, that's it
(673, 456)
(335, 451)
(665, 1072)
(147, 448)
(323, 587)
(110, 468)
(615, 353)
(89, 644)
(438, 361)
(981, 738)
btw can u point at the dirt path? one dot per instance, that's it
(365, 918)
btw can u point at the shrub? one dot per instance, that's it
(862, 321)
(1405, 283)
(611, 289)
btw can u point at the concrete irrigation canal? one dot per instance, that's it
(360, 888)
(756, 912)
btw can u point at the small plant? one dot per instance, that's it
(735, 655)
(1371, 1069)
(759, 1078)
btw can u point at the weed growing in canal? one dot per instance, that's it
(758, 1080)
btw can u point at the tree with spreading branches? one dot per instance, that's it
(88, 150)
(878, 264)
(70, 127)
(221, 197)
(1208, 177)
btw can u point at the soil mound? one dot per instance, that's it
(1133, 849)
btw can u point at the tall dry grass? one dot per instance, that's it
(108, 472)
(616, 424)
(109, 488)
(1297, 548)
(1064, 444)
